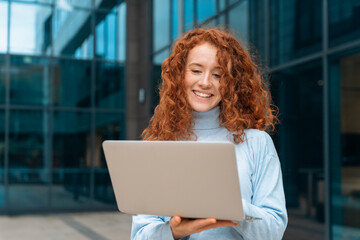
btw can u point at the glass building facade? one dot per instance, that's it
(62, 76)
(66, 68)
(311, 49)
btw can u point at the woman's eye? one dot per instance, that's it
(196, 71)
(217, 75)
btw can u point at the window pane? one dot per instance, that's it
(205, 9)
(107, 5)
(29, 81)
(295, 29)
(71, 159)
(109, 126)
(344, 21)
(28, 160)
(188, 14)
(345, 146)
(106, 35)
(3, 26)
(70, 5)
(122, 32)
(2, 157)
(238, 20)
(30, 29)
(2, 79)
(110, 88)
(161, 23)
(175, 15)
(298, 92)
(257, 25)
(72, 34)
(72, 83)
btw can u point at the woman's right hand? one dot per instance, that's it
(182, 227)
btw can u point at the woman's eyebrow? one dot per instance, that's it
(200, 65)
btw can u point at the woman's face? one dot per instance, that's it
(202, 78)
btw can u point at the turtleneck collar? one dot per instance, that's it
(207, 120)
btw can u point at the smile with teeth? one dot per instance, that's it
(200, 94)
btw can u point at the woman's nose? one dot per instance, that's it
(205, 80)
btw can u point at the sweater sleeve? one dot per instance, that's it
(146, 227)
(150, 227)
(268, 200)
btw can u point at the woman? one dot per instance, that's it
(211, 90)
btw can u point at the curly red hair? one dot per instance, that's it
(245, 99)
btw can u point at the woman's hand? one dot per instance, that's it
(182, 227)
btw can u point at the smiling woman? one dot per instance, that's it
(211, 90)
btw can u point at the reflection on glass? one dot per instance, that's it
(161, 24)
(298, 93)
(205, 9)
(110, 89)
(2, 79)
(345, 147)
(28, 165)
(238, 20)
(344, 21)
(122, 32)
(188, 15)
(72, 33)
(70, 5)
(296, 29)
(106, 35)
(2, 157)
(72, 83)
(175, 16)
(30, 28)
(3, 26)
(29, 81)
(71, 159)
(109, 126)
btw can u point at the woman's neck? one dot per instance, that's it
(207, 120)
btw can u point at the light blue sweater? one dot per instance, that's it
(261, 188)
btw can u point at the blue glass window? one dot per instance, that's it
(344, 145)
(109, 126)
(71, 32)
(30, 81)
(161, 23)
(2, 158)
(3, 26)
(298, 92)
(106, 35)
(72, 83)
(344, 21)
(30, 29)
(122, 32)
(205, 9)
(189, 21)
(29, 163)
(71, 159)
(110, 90)
(238, 20)
(295, 29)
(2, 79)
(175, 16)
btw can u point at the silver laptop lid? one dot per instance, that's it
(191, 179)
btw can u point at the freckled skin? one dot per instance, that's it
(202, 78)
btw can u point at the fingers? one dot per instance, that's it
(219, 223)
(175, 221)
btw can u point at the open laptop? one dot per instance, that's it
(167, 178)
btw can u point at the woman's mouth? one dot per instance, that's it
(200, 94)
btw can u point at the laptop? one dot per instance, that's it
(167, 178)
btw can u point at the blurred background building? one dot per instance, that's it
(76, 72)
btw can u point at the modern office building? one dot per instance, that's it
(76, 72)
